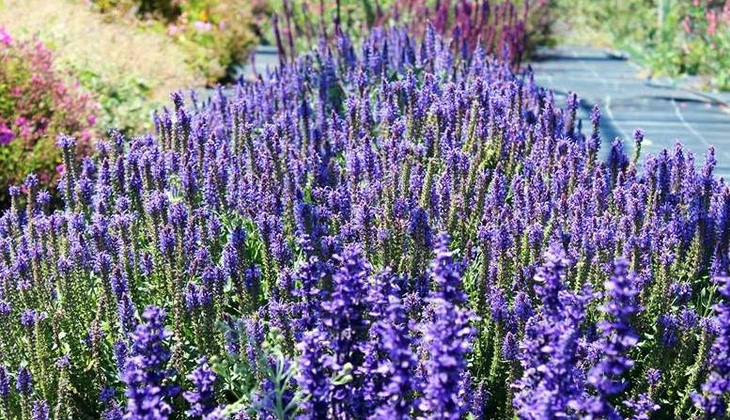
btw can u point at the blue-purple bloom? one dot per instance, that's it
(202, 397)
(641, 407)
(145, 370)
(618, 338)
(313, 376)
(397, 369)
(24, 383)
(552, 385)
(344, 320)
(4, 383)
(40, 410)
(448, 337)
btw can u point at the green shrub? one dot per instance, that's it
(125, 104)
(671, 37)
(696, 38)
(36, 104)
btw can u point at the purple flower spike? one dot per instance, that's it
(717, 385)
(448, 337)
(202, 397)
(4, 383)
(618, 338)
(145, 373)
(24, 383)
(40, 410)
(552, 385)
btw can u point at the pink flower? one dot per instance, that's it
(712, 20)
(60, 168)
(91, 119)
(201, 26)
(173, 30)
(686, 26)
(41, 49)
(5, 37)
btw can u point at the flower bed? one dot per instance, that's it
(411, 231)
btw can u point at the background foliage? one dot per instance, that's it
(517, 26)
(216, 34)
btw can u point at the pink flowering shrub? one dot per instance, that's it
(705, 40)
(36, 104)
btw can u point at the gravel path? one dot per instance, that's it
(628, 101)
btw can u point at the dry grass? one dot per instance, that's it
(578, 29)
(117, 51)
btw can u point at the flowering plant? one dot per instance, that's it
(400, 233)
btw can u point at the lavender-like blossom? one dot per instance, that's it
(642, 407)
(24, 382)
(618, 338)
(40, 410)
(113, 412)
(397, 369)
(202, 397)
(344, 320)
(448, 336)
(4, 387)
(551, 385)
(145, 371)
(313, 376)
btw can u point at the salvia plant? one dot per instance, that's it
(403, 231)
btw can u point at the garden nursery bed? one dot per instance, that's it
(393, 227)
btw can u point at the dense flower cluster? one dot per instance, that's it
(618, 338)
(447, 338)
(292, 230)
(145, 371)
